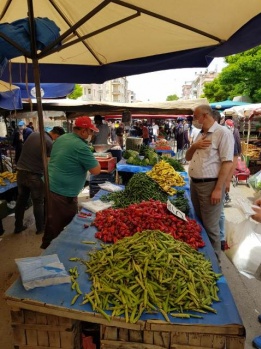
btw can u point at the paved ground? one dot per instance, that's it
(246, 291)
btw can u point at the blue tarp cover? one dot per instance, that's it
(11, 100)
(48, 90)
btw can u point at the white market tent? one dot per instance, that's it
(243, 111)
(249, 113)
(75, 108)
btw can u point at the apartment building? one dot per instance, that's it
(194, 89)
(115, 90)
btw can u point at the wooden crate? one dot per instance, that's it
(173, 336)
(33, 330)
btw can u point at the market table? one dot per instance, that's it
(44, 317)
(125, 171)
(165, 152)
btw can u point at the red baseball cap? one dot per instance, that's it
(85, 122)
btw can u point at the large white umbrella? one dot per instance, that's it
(103, 39)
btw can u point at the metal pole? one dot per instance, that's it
(38, 99)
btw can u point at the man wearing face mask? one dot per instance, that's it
(70, 159)
(211, 158)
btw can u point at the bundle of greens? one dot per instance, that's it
(176, 164)
(139, 188)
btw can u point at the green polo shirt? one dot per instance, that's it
(70, 160)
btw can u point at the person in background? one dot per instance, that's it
(20, 136)
(30, 125)
(103, 135)
(119, 134)
(70, 159)
(193, 134)
(113, 133)
(210, 157)
(145, 133)
(155, 130)
(30, 170)
(218, 118)
(181, 136)
(237, 152)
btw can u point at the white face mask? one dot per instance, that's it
(89, 138)
(197, 124)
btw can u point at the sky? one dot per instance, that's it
(156, 86)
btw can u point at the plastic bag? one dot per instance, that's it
(96, 205)
(255, 181)
(42, 271)
(110, 187)
(244, 245)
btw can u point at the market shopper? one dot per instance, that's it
(103, 135)
(70, 160)
(145, 133)
(210, 157)
(20, 136)
(119, 134)
(30, 170)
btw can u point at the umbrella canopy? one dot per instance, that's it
(226, 104)
(103, 39)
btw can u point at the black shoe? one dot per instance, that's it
(223, 245)
(19, 230)
(44, 245)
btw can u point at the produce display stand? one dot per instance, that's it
(44, 317)
(167, 152)
(125, 171)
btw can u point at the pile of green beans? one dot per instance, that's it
(139, 188)
(150, 272)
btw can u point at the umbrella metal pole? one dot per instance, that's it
(39, 103)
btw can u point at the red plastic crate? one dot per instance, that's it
(107, 164)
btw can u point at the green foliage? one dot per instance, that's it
(76, 93)
(241, 77)
(172, 98)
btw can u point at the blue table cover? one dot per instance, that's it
(165, 151)
(122, 166)
(69, 244)
(4, 188)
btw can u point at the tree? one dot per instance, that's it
(76, 93)
(172, 98)
(241, 77)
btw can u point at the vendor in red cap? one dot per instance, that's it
(70, 160)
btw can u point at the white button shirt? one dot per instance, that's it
(206, 163)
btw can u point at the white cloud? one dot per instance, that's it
(156, 86)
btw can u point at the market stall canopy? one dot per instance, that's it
(10, 96)
(79, 107)
(98, 40)
(52, 114)
(244, 110)
(146, 116)
(226, 104)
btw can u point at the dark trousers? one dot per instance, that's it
(30, 183)
(60, 212)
